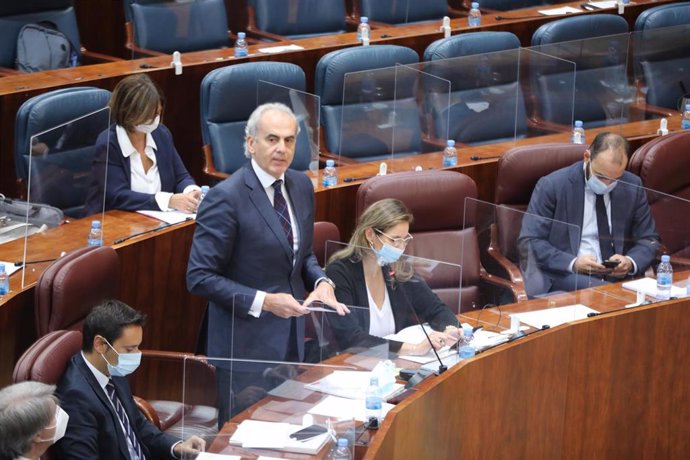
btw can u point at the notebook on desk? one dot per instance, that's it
(255, 434)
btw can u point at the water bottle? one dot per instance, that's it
(450, 155)
(4, 281)
(685, 121)
(466, 350)
(474, 19)
(374, 400)
(241, 45)
(363, 25)
(342, 451)
(578, 133)
(204, 191)
(687, 287)
(330, 177)
(664, 278)
(95, 234)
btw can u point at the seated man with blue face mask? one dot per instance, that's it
(587, 224)
(104, 421)
(368, 273)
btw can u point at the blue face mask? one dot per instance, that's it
(596, 185)
(126, 363)
(387, 254)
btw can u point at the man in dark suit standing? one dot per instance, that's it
(104, 421)
(252, 255)
(584, 214)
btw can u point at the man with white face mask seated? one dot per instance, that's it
(594, 223)
(104, 420)
(144, 170)
(30, 420)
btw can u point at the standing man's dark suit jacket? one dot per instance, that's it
(239, 247)
(353, 330)
(119, 194)
(93, 430)
(548, 247)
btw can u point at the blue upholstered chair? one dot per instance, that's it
(350, 105)
(661, 53)
(490, 79)
(228, 96)
(598, 45)
(70, 120)
(15, 14)
(404, 11)
(160, 27)
(280, 19)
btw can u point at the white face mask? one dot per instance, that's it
(149, 128)
(61, 419)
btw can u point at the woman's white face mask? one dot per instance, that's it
(149, 128)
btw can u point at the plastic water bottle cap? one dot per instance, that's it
(241, 35)
(665, 258)
(467, 330)
(2, 268)
(96, 224)
(364, 19)
(330, 163)
(475, 5)
(342, 442)
(578, 123)
(451, 143)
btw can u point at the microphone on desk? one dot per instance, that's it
(477, 157)
(353, 179)
(441, 367)
(501, 18)
(151, 230)
(21, 263)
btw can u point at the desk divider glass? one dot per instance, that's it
(603, 93)
(307, 109)
(65, 171)
(661, 59)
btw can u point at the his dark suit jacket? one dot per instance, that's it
(119, 194)
(239, 247)
(93, 430)
(353, 329)
(547, 247)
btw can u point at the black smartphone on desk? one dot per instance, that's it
(308, 432)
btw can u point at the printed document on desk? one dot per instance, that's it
(348, 384)
(648, 286)
(210, 456)
(554, 316)
(560, 11)
(169, 217)
(344, 409)
(255, 434)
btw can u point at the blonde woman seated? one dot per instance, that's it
(368, 272)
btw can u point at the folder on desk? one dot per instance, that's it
(255, 434)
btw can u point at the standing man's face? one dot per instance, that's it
(273, 147)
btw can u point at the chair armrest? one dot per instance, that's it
(517, 289)
(262, 35)
(149, 412)
(339, 160)
(132, 46)
(7, 72)
(210, 168)
(94, 57)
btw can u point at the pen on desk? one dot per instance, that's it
(352, 179)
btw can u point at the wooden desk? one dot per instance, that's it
(182, 93)
(152, 279)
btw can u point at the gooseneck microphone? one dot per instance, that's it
(151, 230)
(31, 262)
(477, 157)
(390, 278)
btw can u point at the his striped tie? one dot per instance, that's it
(120, 411)
(280, 205)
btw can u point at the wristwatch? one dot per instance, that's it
(326, 280)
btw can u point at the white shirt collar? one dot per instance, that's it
(126, 145)
(100, 377)
(265, 178)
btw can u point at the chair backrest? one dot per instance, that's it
(300, 18)
(46, 360)
(223, 123)
(519, 169)
(436, 199)
(14, 15)
(168, 26)
(600, 70)
(323, 233)
(338, 104)
(72, 285)
(663, 166)
(403, 11)
(662, 57)
(60, 178)
(490, 77)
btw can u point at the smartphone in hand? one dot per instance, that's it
(611, 263)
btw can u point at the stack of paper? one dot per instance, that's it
(254, 434)
(554, 316)
(348, 384)
(343, 408)
(648, 286)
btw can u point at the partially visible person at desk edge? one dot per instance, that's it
(144, 170)
(368, 272)
(608, 204)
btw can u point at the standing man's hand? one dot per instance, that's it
(283, 306)
(190, 448)
(324, 293)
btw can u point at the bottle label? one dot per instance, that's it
(450, 161)
(685, 123)
(241, 52)
(577, 138)
(664, 279)
(373, 403)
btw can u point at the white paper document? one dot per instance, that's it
(280, 49)
(343, 408)
(255, 434)
(603, 5)
(411, 334)
(648, 286)
(209, 456)
(169, 217)
(554, 316)
(430, 356)
(560, 11)
(348, 384)
(9, 267)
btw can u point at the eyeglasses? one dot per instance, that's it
(396, 241)
(604, 178)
